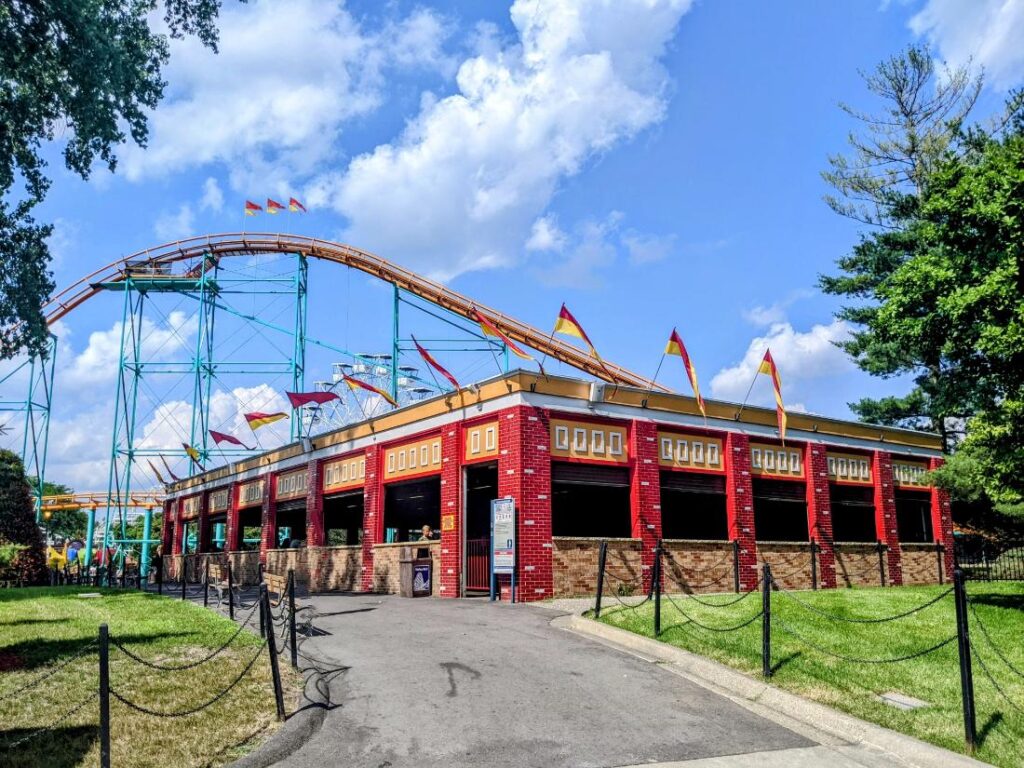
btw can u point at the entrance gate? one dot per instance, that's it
(481, 484)
(478, 576)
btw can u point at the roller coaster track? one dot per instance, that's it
(98, 499)
(156, 260)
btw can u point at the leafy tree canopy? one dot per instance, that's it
(87, 71)
(18, 520)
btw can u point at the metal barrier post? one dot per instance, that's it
(206, 584)
(275, 671)
(938, 558)
(291, 619)
(656, 575)
(766, 621)
(231, 594)
(814, 564)
(104, 697)
(881, 563)
(602, 555)
(964, 646)
(736, 566)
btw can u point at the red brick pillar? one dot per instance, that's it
(645, 493)
(203, 520)
(450, 581)
(232, 530)
(885, 514)
(942, 521)
(524, 473)
(268, 530)
(373, 512)
(739, 505)
(819, 511)
(176, 533)
(314, 506)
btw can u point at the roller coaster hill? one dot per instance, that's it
(229, 311)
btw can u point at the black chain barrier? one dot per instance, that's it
(691, 620)
(52, 726)
(187, 712)
(858, 659)
(834, 617)
(991, 642)
(50, 672)
(727, 560)
(992, 679)
(730, 601)
(190, 665)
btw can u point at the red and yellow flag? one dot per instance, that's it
(192, 453)
(568, 325)
(768, 367)
(156, 472)
(174, 477)
(224, 437)
(490, 329)
(675, 346)
(257, 419)
(299, 399)
(251, 208)
(354, 384)
(273, 206)
(295, 206)
(434, 364)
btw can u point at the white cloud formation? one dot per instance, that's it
(462, 186)
(175, 226)
(991, 32)
(799, 355)
(647, 249)
(593, 250)
(545, 235)
(272, 102)
(213, 196)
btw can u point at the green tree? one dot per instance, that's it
(86, 71)
(18, 521)
(63, 523)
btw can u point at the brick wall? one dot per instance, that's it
(314, 506)
(920, 564)
(942, 521)
(451, 503)
(574, 564)
(373, 513)
(857, 564)
(819, 511)
(386, 566)
(176, 530)
(524, 473)
(245, 567)
(167, 535)
(279, 561)
(233, 531)
(740, 505)
(885, 514)
(268, 530)
(790, 562)
(335, 569)
(645, 492)
(698, 566)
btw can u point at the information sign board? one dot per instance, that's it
(503, 535)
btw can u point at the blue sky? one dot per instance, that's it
(652, 163)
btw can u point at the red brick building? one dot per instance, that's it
(840, 503)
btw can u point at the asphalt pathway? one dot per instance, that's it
(433, 682)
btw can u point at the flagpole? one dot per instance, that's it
(654, 379)
(745, 397)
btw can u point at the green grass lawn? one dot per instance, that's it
(854, 686)
(41, 628)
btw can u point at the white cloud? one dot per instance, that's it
(175, 226)
(469, 176)
(774, 313)
(647, 249)
(272, 102)
(62, 241)
(991, 32)
(213, 197)
(546, 235)
(799, 355)
(579, 266)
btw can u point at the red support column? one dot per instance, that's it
(819, 511)
(233, 531)
(314, 506)
(885, 514)
(203, 521)
(167, 535)
(268, 529)
(645, 493)
(451, 520)
(739, 505)
(373, 512)
(176, 541)
(524, 473)
(942, 521)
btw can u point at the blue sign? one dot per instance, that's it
(421, 578)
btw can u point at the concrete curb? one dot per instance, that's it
(296, 731)
(815, 720)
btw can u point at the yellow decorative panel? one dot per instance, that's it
(849, 468)
(481, 441)
(345, 473)
(293, 485)
(585, 440)
(776, 461)
(251, 494)
(910, 474)
(219, 500)
(690, 452)
(190, 506)
(421, 457)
